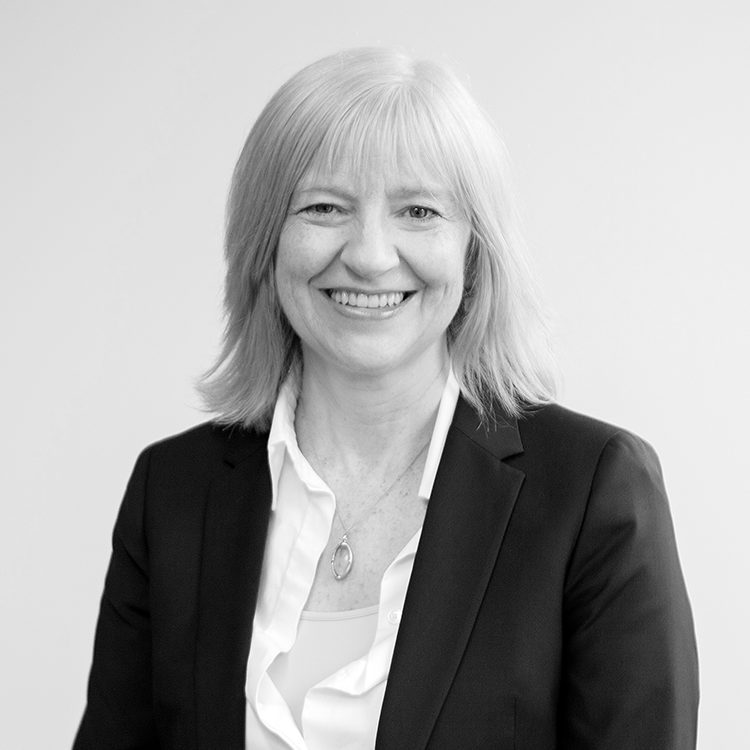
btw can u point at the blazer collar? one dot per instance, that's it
(471, 503)
(500, 437)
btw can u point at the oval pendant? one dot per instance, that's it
(342, 550)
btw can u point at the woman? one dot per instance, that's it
(392, 536)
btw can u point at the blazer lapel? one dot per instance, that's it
(471, 502)
(234, 536)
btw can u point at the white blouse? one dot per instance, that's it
(326, 642)
(341, 708)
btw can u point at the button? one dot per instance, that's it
(394, 616)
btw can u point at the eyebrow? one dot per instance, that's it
(403, 193)
(417, 191)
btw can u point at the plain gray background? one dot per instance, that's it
(628, 125)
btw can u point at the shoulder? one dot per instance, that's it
(172, 477)
(552, 438)
(203, 449)
(211, 439)
(557, 430)
(567, 454)
(556, 421)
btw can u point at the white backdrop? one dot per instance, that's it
(628, 125)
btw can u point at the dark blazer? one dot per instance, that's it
(546, 607)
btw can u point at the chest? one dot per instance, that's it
(371, 546)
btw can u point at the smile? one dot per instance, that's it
(358, 299)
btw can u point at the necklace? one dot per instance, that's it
(342, 567)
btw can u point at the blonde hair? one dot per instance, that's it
(370, 104)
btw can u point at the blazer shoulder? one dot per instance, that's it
(558, 436)
(206, 444)
(553, 422)
(175, 473)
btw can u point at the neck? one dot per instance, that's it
(368, 419)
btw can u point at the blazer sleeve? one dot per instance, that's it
(630, 669)
(119, 714)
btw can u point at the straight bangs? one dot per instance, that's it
(392, 130)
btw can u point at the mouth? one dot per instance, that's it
(371, 301)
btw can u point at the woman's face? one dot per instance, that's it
(369, 271)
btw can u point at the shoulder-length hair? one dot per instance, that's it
(372, 104)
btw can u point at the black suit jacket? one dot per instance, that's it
(546, 607)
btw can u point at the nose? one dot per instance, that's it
(370, 251)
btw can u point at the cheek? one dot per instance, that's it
(302, 253)
(281, 278)
(445, 268)
(286, 278)
(286, 255)
(292, 267)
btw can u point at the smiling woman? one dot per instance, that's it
(390, 536)
(348, 121)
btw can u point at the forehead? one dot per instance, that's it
(394, 182)
(376, 170)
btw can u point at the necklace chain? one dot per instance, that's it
(381, 497)
(343, 548)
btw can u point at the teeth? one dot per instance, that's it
(367, 300)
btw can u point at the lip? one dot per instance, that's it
(366, 311)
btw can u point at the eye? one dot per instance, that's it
(320, 208)
(420, 212)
